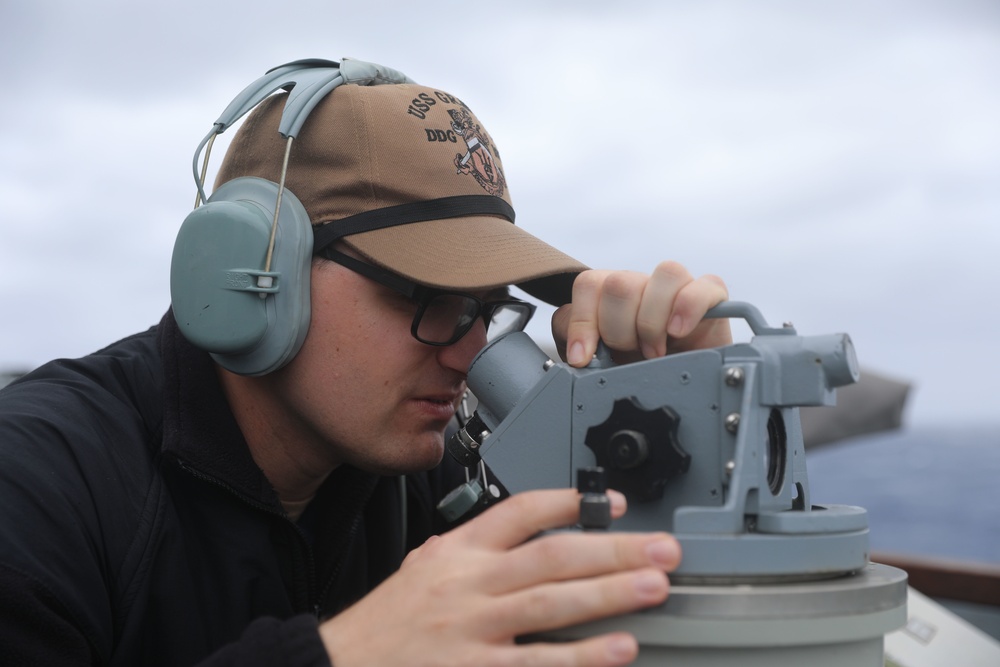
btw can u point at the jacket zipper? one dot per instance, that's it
(336, 568)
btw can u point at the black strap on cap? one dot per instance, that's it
(458, 206)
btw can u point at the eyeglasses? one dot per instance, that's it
(442, 316)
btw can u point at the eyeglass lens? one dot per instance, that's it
(447, 317)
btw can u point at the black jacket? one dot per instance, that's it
(137, 529)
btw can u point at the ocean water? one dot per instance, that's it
(929, 491)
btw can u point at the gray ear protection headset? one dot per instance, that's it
(239, 276)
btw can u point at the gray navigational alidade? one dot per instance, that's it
(706, 445)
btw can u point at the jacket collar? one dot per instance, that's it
(199, 429)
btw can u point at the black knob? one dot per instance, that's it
(628, 449)
(639, 448)
(595, 506)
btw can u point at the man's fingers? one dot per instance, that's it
(566, 603)
(612, 650)
(525, 515)
(582, 327)
(620, 297)
(688, 329)
(693, 301)
(637, 315)
(576, 555)
(657, 307)
(605, 307)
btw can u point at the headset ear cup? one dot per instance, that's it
(219, 291)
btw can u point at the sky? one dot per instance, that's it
(838, 164)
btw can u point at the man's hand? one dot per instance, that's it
(640, 316)
(462, 598)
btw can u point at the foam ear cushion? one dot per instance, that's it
(218, 300)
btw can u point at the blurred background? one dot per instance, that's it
(837, 163)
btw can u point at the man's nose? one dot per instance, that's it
(459, 355)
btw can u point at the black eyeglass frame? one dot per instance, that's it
(423, 295)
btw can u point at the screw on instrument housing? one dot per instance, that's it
(734, 376)
(685, 377)
(548, 364)
(732, 422)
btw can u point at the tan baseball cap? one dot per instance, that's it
(382, 152)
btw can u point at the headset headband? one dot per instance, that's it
(307, 82)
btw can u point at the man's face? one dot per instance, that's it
(362, 390)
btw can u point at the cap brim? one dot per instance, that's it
(471, 254)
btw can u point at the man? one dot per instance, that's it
(161, 508)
